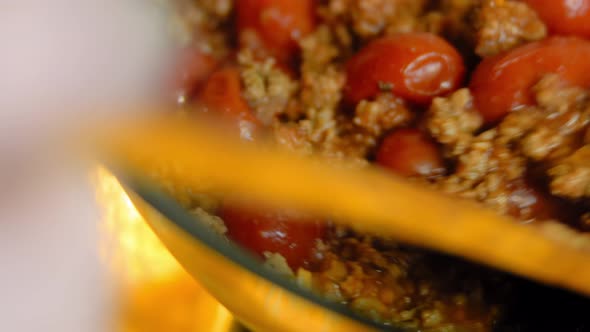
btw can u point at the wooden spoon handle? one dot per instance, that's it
(367, 199)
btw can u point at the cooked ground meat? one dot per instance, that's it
(489, 165)
(267, 89)
(372, 18)
(453, 121)
(322, 80)
(212, 221)
(571, 176)
(533, 163)
(564, 115)
(201, 24)
(502, 25)
(382, 114)
(353, 143)
(489, 171)
(388, 282)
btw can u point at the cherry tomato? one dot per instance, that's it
(414, 66)
(409, 152)
(525, 202)
(503, 82)
(292, 235)
(193, 68)
(222, 94)
(564, 16)
(277, 23)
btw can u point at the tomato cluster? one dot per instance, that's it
(416, 67)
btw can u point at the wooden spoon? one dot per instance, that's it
(367, 199)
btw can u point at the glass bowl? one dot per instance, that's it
(265, 301)
(258, 297)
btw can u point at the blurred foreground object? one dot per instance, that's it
(157, 295)
(59, 59)
(368, 199)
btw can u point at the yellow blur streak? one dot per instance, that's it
(129, 246)
(157, 294)
(367, 199)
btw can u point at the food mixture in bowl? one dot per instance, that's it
(480, 99)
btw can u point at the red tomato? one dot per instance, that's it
(277, 23)
(291, 235)
(503, 82)
(528, 202)
(193, 68)
(414, 66)
(409, 152)
(570, 17)
(223, 94)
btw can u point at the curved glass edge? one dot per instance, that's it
(175, 213)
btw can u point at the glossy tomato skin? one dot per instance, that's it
(564, 17)
(503, 82)
(409, 152)
(414, 66)
(277, 23)
(292, 235)
(193, 67)
(528, 203)
(222, 94)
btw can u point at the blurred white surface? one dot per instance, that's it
(58, 58)
(51, 279)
